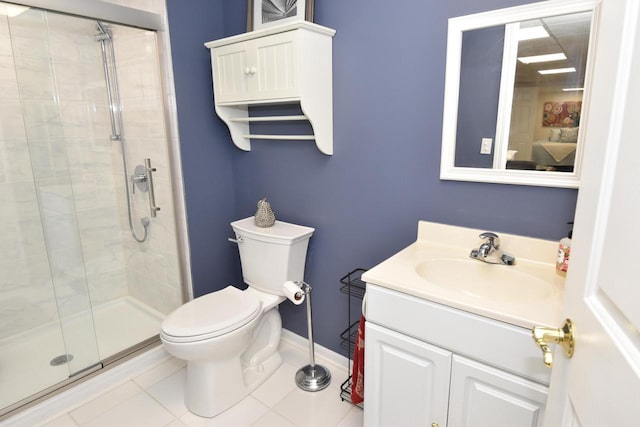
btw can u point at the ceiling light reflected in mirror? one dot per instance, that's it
(558, 70)
(542, 58)
(532, 33)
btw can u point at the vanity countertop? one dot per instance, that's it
(447, 247)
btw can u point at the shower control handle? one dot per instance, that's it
(140, 179)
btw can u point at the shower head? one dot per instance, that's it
(104, 32)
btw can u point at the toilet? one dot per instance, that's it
(230, 337)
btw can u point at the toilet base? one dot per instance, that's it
(212, 388)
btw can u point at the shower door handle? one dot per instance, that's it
(152, 197)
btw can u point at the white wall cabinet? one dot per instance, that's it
(431, 365)
(261, 69)
(290, 64)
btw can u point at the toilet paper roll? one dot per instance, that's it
(293, 292)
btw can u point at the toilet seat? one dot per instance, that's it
(211, 315)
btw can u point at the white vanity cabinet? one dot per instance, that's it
(289, 64)
(428, 364)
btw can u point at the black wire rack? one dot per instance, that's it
(352, 286)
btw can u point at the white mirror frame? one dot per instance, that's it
(499, 174)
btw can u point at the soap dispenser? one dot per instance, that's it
(564, 250)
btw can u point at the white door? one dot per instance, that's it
(523, 119)
(600, 385)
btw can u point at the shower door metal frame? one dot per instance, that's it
(132, 17)
(124, 15)
(100, 11)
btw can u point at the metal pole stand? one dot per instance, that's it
(311, 377)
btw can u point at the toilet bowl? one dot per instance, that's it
(230, 337)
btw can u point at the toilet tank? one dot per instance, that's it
(271, 256)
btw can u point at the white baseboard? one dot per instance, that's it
(321, 352)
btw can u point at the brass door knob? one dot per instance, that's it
(565, 336)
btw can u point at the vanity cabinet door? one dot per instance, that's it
(485, 396)
(256, 70)
(406, 380)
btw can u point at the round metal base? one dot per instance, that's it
(313, 379)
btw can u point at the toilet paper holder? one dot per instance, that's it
(310, 377)
(305, 289)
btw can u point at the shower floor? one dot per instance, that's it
(25, 358)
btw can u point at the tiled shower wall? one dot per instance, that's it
(61, 180)
(152, 267)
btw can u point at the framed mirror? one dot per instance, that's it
(516, 94)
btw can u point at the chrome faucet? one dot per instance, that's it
(490, 252)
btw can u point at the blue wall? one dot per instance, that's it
(206, 155)
(366, 199)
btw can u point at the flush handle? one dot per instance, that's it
(565, 336)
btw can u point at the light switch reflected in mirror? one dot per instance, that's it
(519, 84)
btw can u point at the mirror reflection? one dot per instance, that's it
(480, 75)
(514, 102)
(548, 90)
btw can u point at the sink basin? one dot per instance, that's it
(485, 281)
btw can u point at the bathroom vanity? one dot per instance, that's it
(448, 338)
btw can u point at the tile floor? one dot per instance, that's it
(155, 398)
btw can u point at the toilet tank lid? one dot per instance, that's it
(281, 232)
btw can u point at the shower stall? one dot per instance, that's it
(89, 250)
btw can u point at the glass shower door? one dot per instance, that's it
(46, 322)
(87, 273)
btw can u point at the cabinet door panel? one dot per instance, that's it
(277, 66)
(485, 396)
(406, 380)
(231, 77)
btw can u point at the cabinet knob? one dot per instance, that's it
(435, 425)
(253, 70)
